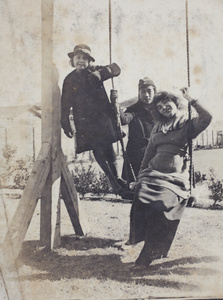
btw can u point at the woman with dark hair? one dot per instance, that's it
(162, 186)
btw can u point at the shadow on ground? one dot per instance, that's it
(51, 265)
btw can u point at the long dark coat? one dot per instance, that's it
(140, 129)
(94, 118)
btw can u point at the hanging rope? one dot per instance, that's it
(187, 42)
(115, 106)
(190, 142)
(110, 37)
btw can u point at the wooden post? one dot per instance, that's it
(50, 127)
(45, 179)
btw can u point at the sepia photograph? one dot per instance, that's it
(111, 145)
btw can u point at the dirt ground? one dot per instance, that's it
(98, 265)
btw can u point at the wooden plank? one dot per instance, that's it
(47, 108)
(56, 234)
(3, 288)
(70, 197)
(50, 214)
(47, 71)
(69, 203)
(56, 161)
(50, 205)
(51, 132)
(32, 192)
(10, 286)
(45, 213)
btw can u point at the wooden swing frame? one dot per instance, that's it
(50, 177)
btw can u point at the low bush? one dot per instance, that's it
(199, 177)
(213, 185)
(216, 188)
(14, 172)
(88, 180)
(21, 173)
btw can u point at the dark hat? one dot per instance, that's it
(145, 82)
(83, 48)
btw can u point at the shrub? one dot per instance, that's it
(87, 180)
(209, 188)
(199, 178)
(14, 173)
(100, 185)
(215, 185)
(21, 173)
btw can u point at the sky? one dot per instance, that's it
(148, 39)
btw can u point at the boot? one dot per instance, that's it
(114, 184)
(147, 255)
(123, 183)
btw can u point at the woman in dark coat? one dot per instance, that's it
(94, 119)
(162, 186)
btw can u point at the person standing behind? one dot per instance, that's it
(93, 116)
(140, 123)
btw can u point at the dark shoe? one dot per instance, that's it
(146, 261)
(145, 264)
(123, 183)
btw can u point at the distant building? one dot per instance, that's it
(220, 138)
(20, 127)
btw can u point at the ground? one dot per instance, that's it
(98, 265)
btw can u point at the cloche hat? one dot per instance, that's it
(81, 48)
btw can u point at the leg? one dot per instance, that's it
(159, 236)
(111, 159)
(101, 159)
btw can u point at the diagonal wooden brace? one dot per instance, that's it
(32, 192)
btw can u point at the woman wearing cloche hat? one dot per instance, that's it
(83, 92)
(81, 48)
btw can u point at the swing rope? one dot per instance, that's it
(117, 112)
(190, 142)
(110, 37)
(187, 42)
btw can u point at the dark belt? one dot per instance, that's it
(171, 149)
